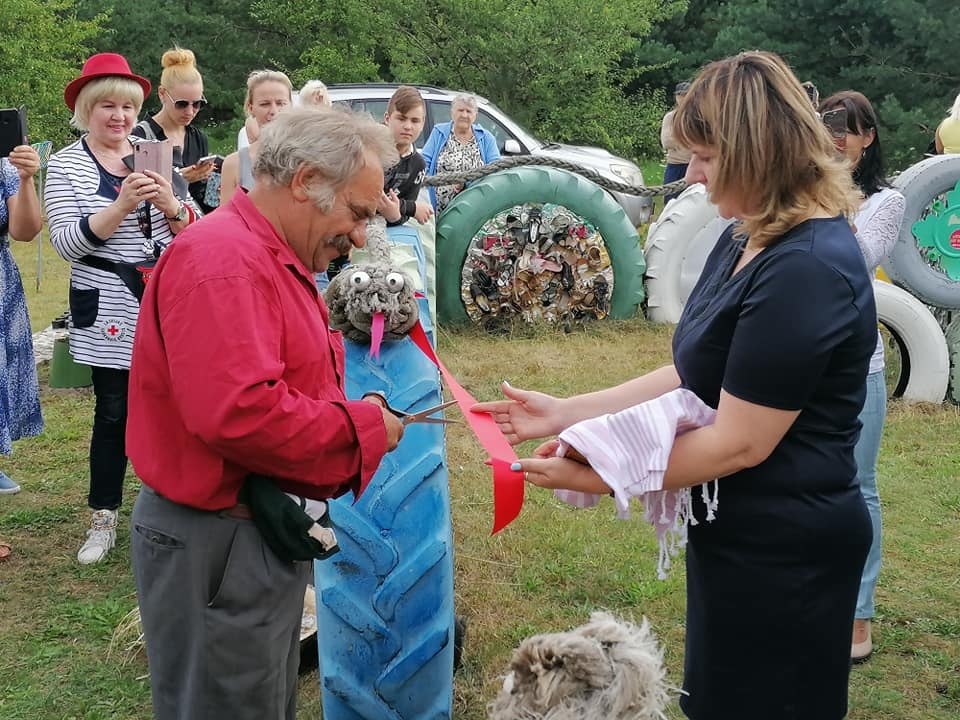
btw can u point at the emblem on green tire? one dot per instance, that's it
(939, 233)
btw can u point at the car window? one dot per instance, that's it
(377, 108)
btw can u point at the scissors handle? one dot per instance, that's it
(417, 417)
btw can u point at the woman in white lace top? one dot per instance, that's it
(877, 226)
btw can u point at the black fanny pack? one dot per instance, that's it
(134, 275)
(286, 528)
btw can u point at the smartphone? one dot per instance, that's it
(155, 155)
(210, 158)
(13, 129)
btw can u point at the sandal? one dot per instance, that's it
(5, 551)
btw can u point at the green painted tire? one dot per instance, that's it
(495, 193)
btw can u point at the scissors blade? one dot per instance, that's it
(422, 416)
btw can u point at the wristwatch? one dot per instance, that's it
(181, 215)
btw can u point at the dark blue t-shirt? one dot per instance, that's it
(794, 329)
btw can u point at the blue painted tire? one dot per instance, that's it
(385, 602)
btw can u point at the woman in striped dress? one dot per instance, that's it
(106, 220)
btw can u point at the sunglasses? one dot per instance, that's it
(184, 104)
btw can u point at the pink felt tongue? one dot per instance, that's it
(376, 334)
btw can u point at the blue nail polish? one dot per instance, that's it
(515, 466)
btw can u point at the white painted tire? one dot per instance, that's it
(676, 250)
(923, 348)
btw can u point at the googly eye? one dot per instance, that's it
(394, 282)
(359, 280)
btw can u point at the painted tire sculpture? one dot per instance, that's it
(495, 193)
(953, 347)
(925, 362)
(676, 251)
(385, 602)
(926, 257)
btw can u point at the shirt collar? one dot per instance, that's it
(262, 228)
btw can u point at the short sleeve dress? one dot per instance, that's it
(772, 581)
(19, 391)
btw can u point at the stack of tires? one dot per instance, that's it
(918, 310)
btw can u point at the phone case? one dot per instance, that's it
(13, 129)
(155, 155)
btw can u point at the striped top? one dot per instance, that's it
(104, 312)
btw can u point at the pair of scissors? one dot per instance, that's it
(418, 417)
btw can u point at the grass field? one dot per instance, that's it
(546, 572)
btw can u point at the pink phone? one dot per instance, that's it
(155, 155)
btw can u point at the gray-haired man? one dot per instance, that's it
(235, 372)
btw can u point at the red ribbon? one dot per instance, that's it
(507, 483)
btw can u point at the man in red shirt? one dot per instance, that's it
(235, 372)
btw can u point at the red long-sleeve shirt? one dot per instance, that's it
(235, 370)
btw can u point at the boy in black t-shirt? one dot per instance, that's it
(401, 184)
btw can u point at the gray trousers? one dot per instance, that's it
(221, 614)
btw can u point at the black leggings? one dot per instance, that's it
(108, 450)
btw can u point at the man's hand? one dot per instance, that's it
(391, 422)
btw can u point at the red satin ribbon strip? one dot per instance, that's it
(507, 483)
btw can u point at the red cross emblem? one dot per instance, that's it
(112, 329)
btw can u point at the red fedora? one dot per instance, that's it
(98, 66)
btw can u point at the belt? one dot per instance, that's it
(240, 511)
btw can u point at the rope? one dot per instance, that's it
(504, 163)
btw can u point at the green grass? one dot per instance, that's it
(546, 572)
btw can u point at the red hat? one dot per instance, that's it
(98, 66)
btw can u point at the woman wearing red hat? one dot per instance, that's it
(107, 220)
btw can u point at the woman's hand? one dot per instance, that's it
(135, 189)
(197, 172)
(560, 473)
(391, 422)
(163, 198)
(525, 414)
(26, 161)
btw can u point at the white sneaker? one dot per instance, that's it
(101, 537)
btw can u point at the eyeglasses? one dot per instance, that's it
(836, 122)
(184, 104)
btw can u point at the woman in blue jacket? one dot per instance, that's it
(457, 146)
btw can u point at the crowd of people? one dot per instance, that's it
(235, 245)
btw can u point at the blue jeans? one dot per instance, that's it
(866, 452)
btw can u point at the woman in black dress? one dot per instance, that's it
(776, 336)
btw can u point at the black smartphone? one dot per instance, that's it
(13, 129)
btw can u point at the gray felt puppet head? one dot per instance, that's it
(373, 301)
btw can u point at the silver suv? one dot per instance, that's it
(512, 139)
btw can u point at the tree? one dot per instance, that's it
(556, 66)
(226, 40)
(43, 48)
(898, 53)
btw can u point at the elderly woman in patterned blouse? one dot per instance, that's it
(457, 146)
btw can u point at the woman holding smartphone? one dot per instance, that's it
(107, 221)
(268, 93)
(181, 98)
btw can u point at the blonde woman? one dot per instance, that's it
(181, 99)
(269, 92)
(315, 93)
(947, 137)
(777, 338)
(108, 221)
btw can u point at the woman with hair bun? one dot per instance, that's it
(181, 98)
